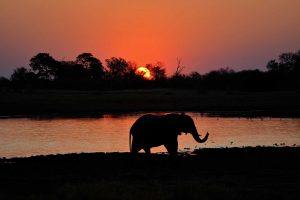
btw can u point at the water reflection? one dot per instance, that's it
(24, 137)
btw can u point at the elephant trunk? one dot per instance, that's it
(196, 136)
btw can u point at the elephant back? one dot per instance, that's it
(154, 124)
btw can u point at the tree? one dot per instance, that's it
(22, 75)
(272, 65)
(4, 82)
(131, 72)
(117, 67)
(92, 64)
(19, 74)
(44, 66)
(297, 63)
(158, 72)
(287, 62)
(71, 71)
(219, 79)
(179, 69)
(195, 76)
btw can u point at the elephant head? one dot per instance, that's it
(186, 125)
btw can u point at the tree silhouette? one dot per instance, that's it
(71, 71)
(219, 79)
(272, 65)
(22, 75)
(4, 82)
(92, 64)
(287, 62)
(131, 73)
(195, 76)
(117, 68)
(19, 74)
(87, 72)
(179, 69)
(44, 66)
(158, 72)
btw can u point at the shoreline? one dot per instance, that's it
(192, 153)
(96, 103)
(224, 114)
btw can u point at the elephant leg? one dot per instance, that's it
(172, 148)
(135, 147)
(147, 150)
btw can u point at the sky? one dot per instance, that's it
(204, 34)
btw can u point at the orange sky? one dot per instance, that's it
(205, 34)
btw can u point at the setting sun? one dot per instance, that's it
(145, 72)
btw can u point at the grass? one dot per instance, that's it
(82, 103)
(237, 173)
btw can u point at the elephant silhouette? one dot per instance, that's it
(155, 130)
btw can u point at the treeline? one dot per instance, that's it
(88, 73)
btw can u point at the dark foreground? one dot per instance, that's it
(248, 173)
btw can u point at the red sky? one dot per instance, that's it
(205, 34)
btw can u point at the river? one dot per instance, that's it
(26, 137)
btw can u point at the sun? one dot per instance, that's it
(145, 72)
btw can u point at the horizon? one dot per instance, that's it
(205, 35)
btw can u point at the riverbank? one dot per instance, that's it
(55, 103)
(235, 173)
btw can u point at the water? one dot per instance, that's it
(26, 137)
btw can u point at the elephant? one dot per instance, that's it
(155, 130)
